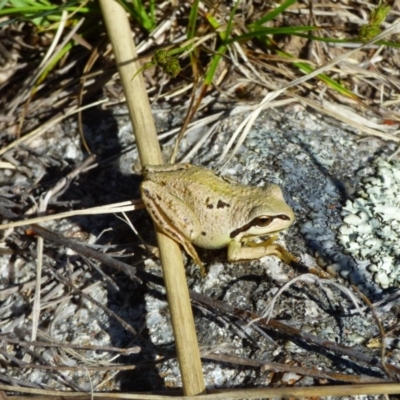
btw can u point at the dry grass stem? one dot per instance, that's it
(43, 128)
(246, 125)
(30, 83)
(146, 137)
(347, 120)
(124, 206)
(296, 392)
(307, 278)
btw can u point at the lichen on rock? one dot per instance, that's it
(371, 223)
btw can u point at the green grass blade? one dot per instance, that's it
(261, 32)
(324, 78)
(138, 11)
(356, 40)
(222, 49)
(273, 14)
(41, 11)
(53, 63)
(191, 29)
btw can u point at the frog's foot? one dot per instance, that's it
(283, 254)
(252, 251)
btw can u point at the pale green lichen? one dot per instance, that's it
(371, 223)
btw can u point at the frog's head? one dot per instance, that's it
(269, 215)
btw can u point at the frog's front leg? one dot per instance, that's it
(172, 216)
(238, 251)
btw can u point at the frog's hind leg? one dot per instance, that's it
(172, 217)
(188, 248)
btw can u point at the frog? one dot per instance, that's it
(195, 207)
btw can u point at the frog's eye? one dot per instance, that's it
(262, 221)
(251, 229)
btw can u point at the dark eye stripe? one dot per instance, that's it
(256, 221)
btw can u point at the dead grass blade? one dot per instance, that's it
(245, 126)
(47, 125)
(107, 209)
(342, 114)
(308, 278)
(30, 83)
(119, 31)
(295, 392)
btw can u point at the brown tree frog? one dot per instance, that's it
(193, 206)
